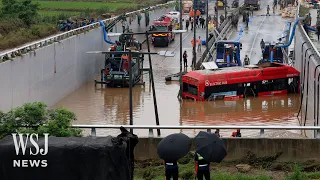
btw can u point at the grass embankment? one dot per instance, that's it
(263, 168)
(14, 32)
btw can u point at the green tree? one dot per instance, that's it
(36, 118)
(24, 10)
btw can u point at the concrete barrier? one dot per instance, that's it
(237, 148)
(307, 61)
(50, 73)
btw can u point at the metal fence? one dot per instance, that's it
(207, 128)
(47, 41)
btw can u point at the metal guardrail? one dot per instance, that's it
(207, 128)
(47, 41)
(306, 37)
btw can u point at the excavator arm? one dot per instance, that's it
(122, 17)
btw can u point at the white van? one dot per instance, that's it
(174, 15)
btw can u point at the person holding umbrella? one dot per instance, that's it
(171, 149)
(202, 167)
(171, 170)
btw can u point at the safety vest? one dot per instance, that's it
(201, 162)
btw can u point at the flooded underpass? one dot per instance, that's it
(111, 105)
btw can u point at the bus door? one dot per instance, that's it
(190, 90)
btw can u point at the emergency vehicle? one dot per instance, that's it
(163, 24)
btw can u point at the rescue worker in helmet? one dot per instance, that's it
(246, 60)
(202, 167)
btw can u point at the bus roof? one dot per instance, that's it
(238, 74)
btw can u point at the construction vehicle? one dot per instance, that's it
(116, 67)
(128, 40)
(272, 52)
(254, 3)
(116, 70)
(163, 23)
(225, 53)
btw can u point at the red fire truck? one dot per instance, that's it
(163, 24)
(268, 79)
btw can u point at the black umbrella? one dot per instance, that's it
(174, 147)
(210, 147)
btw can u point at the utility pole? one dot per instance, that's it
(207, 23)
(225, 9)
(153, 88)
(194, 35)
(180, 79)
(217, 14)
(130, 91)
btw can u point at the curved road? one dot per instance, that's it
(111, 106)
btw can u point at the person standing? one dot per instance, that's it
(202, 20)
(199, 44)
(268, 10)
(192, 21)
(131, 140)
(187, 24)
(202, 167)
(318, 32)
(235, 49)
(251, 10)
(217, 132)
(171, 170)
(236, 134)
(246, 60)
(185, 59)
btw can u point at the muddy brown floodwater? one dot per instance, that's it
(111, 105)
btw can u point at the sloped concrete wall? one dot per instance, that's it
(306, 61)
(52, 72)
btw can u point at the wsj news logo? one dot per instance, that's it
(21, 143)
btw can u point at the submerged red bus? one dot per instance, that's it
(237, 82)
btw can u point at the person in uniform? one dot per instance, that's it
(202, 167)
(171, 170)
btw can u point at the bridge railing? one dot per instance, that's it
(207, 128)
(7, 55)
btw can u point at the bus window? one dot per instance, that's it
(224, 88)
(273, 85)
(293, 85)
(189, 88)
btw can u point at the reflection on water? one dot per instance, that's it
(277, 110)
(111, 106)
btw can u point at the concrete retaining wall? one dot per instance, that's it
(52, 72)
(306, 60)
(291, 149)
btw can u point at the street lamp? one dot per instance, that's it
(130, 52)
